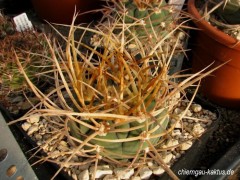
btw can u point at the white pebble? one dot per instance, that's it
(136, 178)
(177, 111)
(26, 126)
(145, 173)
(196, 108)
(32, 129)
(34, 118)
(167, 158)
(185, 146)
(124, 173)
(110, 177)
(178, 155)
(150, 164)
(101, 171)
(176, 132)
(178, 125)
(74, 176)
(197, 129)
(55, 154)
(158, 170)
(84, 175)
(189, 113)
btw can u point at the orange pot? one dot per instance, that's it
(62, 11)
(214, 46)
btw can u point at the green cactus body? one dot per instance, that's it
(122, 149)
(15, 45)
(12, 80)
(152, 15)
(230, 12)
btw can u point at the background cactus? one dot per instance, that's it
(150, 22)
(20, 43)
(230, 11)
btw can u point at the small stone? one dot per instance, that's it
(84, 175)
(196, 108)
(101, 171)
(136, 178)
(185, 146)
(38, 137)
(39, 143)
(182, 36)
(145, 173)
(74, 176)
(178, 155)
(177, 95)
(197, 129)
(177, 111)
(150, 164)
(32, 129)
(63, 146)
(75, 158)
(158, 171)
(176, 132)
(110, 177)
(178, 125)
(167, 158)
(189, 113)
(34, 118)
(124, 173)
(26, 126)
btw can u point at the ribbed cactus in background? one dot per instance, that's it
(12, 44)
(144, 18)
(230, 11)
(142, 24)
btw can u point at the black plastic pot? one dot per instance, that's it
(42, 170)
(186, 162)
(228, 167)
(192, 156)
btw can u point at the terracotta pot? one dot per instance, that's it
(214, 46)
(62, 11)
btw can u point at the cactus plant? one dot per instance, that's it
(107, 104)
(146, 21)
(12, 43)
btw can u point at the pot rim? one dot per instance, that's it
(210, 30)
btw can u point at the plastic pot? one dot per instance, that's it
(214, 46)
(193, 155)
(62, 11)
(229, 165)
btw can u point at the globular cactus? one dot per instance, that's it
(155, 15)
(19, 44)
(142, 24)
(144, 18)
(108, 105)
